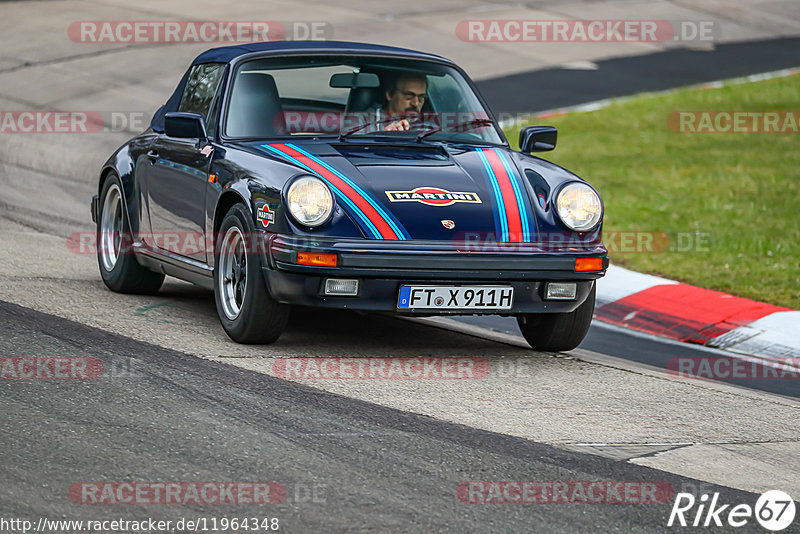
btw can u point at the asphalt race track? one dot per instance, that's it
(178, 401)
(347, 465)
(560, 87)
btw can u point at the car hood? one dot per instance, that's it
(423, 191)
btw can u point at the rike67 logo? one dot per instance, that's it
(774, 510)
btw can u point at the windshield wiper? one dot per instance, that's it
(474, 123)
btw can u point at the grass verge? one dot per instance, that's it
(728, 202)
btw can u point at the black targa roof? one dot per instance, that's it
(227, 54)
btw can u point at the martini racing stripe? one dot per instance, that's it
(371, 220)
(365, 223)
(510, 202)
(387, 215)
(500, 219)
(507, 201)
(521, 204)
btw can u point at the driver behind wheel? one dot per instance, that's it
(407, 95)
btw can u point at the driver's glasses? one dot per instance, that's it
(410, 95)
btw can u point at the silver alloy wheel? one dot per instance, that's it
(232, 272)
(111, 228)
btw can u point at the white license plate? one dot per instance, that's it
(455, 297)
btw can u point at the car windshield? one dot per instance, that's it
(355, 96)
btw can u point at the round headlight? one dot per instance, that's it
(579, 207)
(310, 201)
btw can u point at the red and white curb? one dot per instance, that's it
(692, 314)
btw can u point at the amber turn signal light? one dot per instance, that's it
(316, 259)
(588, 264)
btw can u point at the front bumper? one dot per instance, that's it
(383, 266)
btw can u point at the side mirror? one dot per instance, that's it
(184, 125)
(537, 138)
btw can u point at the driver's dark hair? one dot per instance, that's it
(407, 76)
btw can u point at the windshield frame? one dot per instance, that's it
(237, 63)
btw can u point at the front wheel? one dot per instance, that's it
(247, 311)
(555, 332)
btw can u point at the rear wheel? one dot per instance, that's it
(555, 332)
(118, 266)
(247, 311)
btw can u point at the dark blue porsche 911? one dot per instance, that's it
(351, 176)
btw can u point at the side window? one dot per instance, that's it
(201, 87)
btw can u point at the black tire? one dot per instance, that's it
(260, 319)
(118, 266)
(554, 332)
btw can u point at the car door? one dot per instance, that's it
(178, 178)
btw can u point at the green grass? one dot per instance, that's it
(741, 191)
